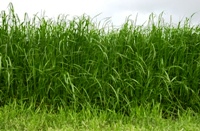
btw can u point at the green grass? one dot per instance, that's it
(76, 66)
(15, 117)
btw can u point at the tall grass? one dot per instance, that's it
(75, 64)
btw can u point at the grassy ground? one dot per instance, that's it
(73, 75)
(13, 117)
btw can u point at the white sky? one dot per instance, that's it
(118, 10)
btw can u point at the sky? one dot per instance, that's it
(116, 10)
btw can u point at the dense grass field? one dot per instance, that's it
(62, 65)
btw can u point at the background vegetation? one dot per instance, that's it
(74, 64)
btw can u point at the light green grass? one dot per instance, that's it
(15, 117)
(76, 66)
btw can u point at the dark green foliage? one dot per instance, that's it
(73, 63)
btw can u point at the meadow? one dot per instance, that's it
(74, 71)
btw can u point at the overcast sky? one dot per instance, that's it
(118, 10)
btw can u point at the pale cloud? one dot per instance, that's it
(118, 10)
(178, 9)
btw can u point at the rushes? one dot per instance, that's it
(75, 64)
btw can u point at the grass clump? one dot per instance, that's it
(73, 64)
